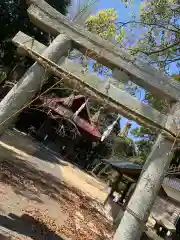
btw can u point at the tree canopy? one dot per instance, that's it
(154, 34)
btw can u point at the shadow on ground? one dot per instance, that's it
(46, 154)
(29, 181)
(28, 226)
(30, 146)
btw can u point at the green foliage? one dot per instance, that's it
(176, 77)
(144, 147)
(103, 23)
(159, 44)
(145, 139)
(123, 146)
(158, 41)
(140, 132)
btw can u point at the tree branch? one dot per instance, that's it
(163, 49)
(149, 24)
(173, 60)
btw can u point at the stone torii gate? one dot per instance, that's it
(53, 60)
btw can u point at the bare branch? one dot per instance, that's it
(164, 49)
(173, 60)
(122, 24)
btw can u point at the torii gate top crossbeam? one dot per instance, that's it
(48, 19)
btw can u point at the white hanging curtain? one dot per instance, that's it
(109, 129)
(80, 109)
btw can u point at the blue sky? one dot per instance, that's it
(124, 13)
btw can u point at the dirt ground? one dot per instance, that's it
(44, 199)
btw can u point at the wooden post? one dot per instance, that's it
(138, 209)
(114, 187)
(102, 170)
(31, 82)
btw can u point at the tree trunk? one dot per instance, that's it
(30, 83)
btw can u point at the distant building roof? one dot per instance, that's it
(123, 165)
(172, 188)
(83, 121)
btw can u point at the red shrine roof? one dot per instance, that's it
(83, 120)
